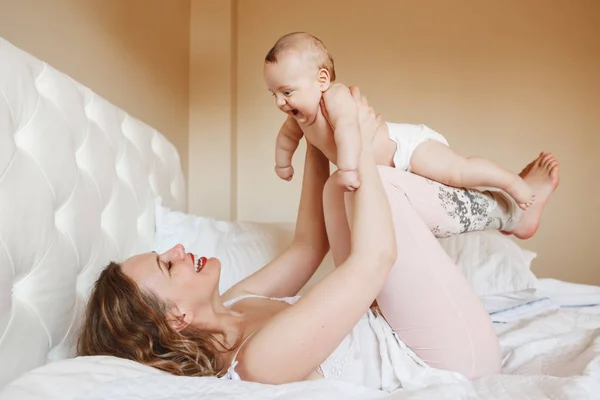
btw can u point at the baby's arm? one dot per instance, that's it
(341, 112)
(286, 144)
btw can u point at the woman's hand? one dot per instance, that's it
(368, 121)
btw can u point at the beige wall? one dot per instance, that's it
(212, 188)
(135, 53)
(504, 80)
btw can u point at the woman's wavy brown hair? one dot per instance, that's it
(124, 321)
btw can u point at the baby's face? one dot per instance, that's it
(294, 84)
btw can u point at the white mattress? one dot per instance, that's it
(549, 352)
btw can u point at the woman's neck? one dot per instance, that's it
(224, 324)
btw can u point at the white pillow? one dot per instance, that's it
(491, 262)
(241, 247)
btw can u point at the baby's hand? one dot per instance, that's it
(347, 179)
(285, 173)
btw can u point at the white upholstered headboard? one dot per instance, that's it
(78, 182)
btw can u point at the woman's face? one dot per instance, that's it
(177, 278)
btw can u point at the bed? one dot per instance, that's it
(83, 183)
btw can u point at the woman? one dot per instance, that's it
(165, 310)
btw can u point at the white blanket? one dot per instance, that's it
(551, 294)
(554, 354)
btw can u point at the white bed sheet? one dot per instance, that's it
(553, 353)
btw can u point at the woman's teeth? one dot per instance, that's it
(199, 264)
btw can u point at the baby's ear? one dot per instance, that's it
(324, 79)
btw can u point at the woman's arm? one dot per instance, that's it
(291, 345)
(290, 271)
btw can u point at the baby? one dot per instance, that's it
(300, 74)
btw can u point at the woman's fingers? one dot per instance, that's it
(369, 121)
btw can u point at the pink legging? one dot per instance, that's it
(426, 300)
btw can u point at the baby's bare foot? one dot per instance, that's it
(521, 192)
(542, 176)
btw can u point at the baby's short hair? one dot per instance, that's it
(303, 42)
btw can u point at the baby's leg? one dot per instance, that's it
(448, 211)
(439, 162)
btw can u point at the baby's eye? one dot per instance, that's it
(287, 92)
(169, 265)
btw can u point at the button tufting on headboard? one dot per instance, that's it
(78, 183)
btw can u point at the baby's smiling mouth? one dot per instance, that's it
(295, 112)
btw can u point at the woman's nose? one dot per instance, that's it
(176, 252)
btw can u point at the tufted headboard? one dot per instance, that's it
(78, 183)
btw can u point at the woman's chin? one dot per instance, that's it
(213, 263)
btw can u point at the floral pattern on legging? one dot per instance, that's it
(470, 209)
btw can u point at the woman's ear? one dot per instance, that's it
(179, 321)
(324, 79)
